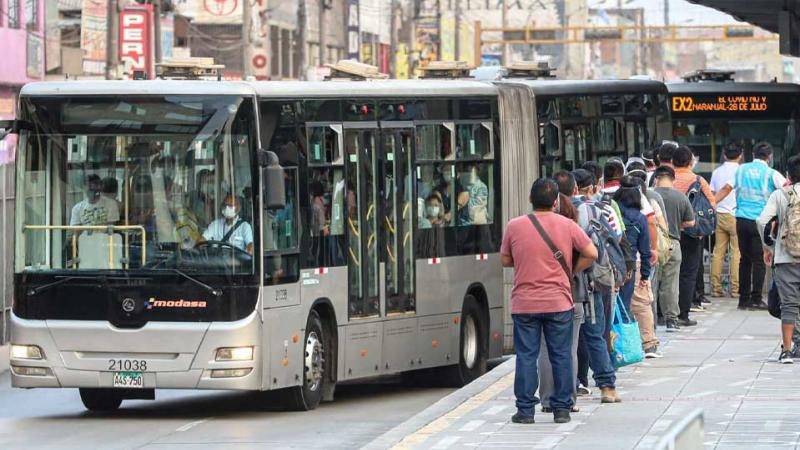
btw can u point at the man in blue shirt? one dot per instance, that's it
(754, 182)
(230, 228)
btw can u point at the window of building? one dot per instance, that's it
(13, 13)
(31, 14)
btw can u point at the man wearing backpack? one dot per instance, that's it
(754, 183)
(686, 182)
(784, 204)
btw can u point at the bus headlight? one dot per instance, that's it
(234, 354)
(230, 373)
(26, 352)
(31, 371)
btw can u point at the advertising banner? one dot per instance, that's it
(93, 35)
(135, 40)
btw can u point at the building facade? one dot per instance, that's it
(21, 34)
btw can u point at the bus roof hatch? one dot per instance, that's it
(348, 69)
(532, 70)
(709, 75)
(446, 69)
(189, 69)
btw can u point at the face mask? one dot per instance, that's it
(433, 211)
(229, 212)
(447, 177)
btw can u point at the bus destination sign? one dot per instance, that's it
(720, 104)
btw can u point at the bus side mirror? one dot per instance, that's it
(7, 127)
(274, 191)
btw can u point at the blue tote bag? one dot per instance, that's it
(626, 342)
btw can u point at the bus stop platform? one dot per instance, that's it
(726, 366)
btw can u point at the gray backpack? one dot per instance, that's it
(790, 226)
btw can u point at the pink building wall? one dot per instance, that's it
(14, 56)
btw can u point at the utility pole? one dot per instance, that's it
(157, 30)
(458, 30)
(323, 44)
(300, 40)
(247, 38)
(504, 21)
(666, 13)
(112, 39)
(393, 38)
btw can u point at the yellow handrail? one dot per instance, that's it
(106, 228)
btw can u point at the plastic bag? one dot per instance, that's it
(626, 342)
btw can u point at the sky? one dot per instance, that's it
(681, 11)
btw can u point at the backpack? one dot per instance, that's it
(790, 226)
(608, 270)
(664, 244)
(705, 218)
(624, 245)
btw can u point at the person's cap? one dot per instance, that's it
(583, 178)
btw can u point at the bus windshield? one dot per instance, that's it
(140, 183)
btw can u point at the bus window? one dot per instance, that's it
(473, 141)
(281, 243)
(323, 145)
(326, 216)
(475, 202)
(434, 142)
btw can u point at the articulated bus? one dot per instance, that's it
(709, 110)
(282, 235)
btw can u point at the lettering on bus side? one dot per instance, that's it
(154, 303)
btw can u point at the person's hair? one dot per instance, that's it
(316, 189)
(613, 170)
(793, 165)
(594, 169)
(110, 185)
(93, 178)
(651, 158)
(666, 152)
(733, 151)
(434, 196)
(628, 193)
(565, 181)
(584, 179)
(682, 157)
(762, 150)
(664, 171)
(566, 208)
(544, 193)
(635, 165)
(641, 177)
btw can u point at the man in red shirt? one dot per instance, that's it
(541, 300)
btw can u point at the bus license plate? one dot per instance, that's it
(129, 380)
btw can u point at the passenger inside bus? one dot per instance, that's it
(95, 209)
(434, 212)
(473, 198)
(201, 201)
(230, 229)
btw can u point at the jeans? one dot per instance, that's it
(546, 370)
(593, 342)
(700, 282)
(626, 291)
(557, 328)
(726, 237)
(691, 252)
(752, 269)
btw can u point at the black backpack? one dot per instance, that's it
(624, 245)
(705, 218)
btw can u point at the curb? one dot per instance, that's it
(4, 355)
(440, 408)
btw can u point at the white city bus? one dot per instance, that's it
(129, 279)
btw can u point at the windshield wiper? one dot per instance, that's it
(39, 289)
(211, 290)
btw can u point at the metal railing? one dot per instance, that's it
(687, 434)
(110, 229)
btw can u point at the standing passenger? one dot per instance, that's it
(726, 224)
(541, 300)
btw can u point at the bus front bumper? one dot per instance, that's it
(167, 355)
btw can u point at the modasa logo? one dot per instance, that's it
(154, 303)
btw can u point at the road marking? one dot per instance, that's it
(191, 425)
(472, 425)
(446, 442)
(702, 394)
(494, 410)
(742, 383)
(656, 381)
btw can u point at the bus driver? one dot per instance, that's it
(230, 229)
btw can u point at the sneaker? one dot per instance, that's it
(561, 416)
(697, 308)
(785, 357)
(705, 300)
(742, 308)
(672, 326)
(652, 353)
(582, 390)
(687, 322)
(522, 418)
(760, 306)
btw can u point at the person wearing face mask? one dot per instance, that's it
(472, 198)
(434, 212)
(95, 209)
(230, 228)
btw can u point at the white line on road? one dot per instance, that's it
(191, 425)
(494, 410)
(445, 443)
(702, 394)
(472, 425)
(742, 383)
(656, 381)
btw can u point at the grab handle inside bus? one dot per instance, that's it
(274, 191)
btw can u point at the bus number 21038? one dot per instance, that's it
(127, 364)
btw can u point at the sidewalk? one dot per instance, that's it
(727, 366)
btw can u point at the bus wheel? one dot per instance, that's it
(472, 346)
(308, 395)
(100, 399)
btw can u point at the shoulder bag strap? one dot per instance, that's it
(233, 228)
(557, 254)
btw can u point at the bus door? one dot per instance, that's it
(396, 247)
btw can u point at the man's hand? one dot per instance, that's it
(643, 283)
(768, 257)
(654, 258)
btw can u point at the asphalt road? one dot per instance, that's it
(55, 418)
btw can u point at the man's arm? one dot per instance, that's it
(507, 260)
(770, 211)
(707, 192)
(651, 230)
(727, 189)
(587, 256)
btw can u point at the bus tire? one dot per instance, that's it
(472, 347)
(100, 399)
(308, 395)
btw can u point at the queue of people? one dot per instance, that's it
(660, 214)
